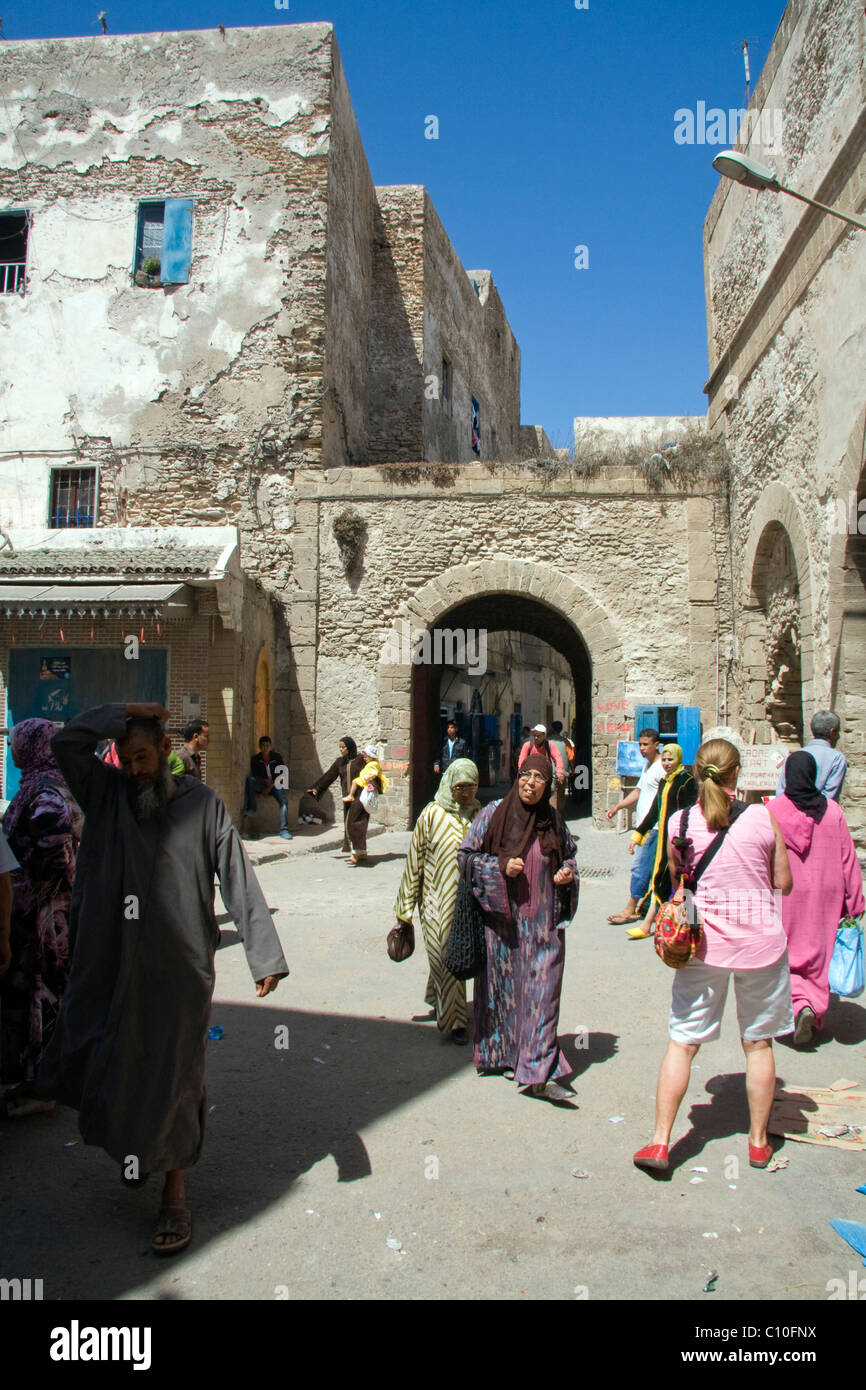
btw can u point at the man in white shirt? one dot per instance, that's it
(643, 796)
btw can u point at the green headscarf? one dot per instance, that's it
(461, 770)
(678, 765)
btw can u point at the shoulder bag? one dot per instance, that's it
(466, 951)
(678, 928)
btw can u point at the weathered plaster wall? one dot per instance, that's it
(349, 280)
(472, 331)
(396, 380)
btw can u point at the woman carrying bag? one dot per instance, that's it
(741, 937)
(828, 886)
(523, 872)
(430, 881)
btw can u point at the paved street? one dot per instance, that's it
(368, 1161)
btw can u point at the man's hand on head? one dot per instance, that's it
(151, 710)
(267, 985)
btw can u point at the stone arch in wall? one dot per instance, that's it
(777, 620)
(848, 626)
(263, 701)
(499, 594)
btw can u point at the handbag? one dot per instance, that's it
(678, 928)
(401, 940)
(370, 800)
(466, 950)
(847, 975)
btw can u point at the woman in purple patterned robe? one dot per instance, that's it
(43, 826)
(519, 858)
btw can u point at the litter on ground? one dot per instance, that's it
(834, 1115)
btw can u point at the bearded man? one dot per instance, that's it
(129, 1047)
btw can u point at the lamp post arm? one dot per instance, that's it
(834, 212)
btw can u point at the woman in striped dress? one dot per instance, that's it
(430, 882)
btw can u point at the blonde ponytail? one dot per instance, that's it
(715, 764)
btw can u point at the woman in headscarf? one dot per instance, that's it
(677, 791)
(346, 766)
(523, 872)
(368, 774)
(828, 886)
(430, 881)
(43, 826)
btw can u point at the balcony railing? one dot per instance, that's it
(12, 275)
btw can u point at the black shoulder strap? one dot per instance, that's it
(712, 849)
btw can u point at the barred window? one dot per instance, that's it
(73, 497)
(13, 251)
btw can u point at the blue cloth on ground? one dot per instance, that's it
(855, 1234)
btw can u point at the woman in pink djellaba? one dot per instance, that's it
(828, 886)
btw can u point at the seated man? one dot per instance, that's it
(268, 777)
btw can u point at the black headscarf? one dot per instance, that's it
(800, 773)
(514, 825)
(352, 747)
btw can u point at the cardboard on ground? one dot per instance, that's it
(800, 1111)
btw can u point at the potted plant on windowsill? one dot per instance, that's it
(148, 277)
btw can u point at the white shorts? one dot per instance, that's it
(764, 1008)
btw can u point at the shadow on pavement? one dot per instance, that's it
(274, 1112)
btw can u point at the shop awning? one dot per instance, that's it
(35, 600)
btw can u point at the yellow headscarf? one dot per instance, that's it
(678, 765)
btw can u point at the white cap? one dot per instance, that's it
(539, 729)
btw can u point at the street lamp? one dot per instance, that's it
(754, 175)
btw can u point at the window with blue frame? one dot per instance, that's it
(163, 241)
(73, 498)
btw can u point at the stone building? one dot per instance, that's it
(786, 324)
(205, 296)
(214, 322)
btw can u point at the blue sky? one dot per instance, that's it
(556, 130)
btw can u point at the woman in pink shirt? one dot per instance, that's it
(743, 937)
(828, 886)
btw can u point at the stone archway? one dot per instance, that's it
(563, 611)
(776, 659)
(848, 628)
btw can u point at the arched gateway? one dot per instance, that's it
(497, 594)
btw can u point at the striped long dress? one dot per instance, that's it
(430, 882)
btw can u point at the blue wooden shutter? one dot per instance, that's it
(176, 241)
(689, 727)
(645, 717)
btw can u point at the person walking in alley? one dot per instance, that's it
(742, 939)
(519, 859)
(831, 764)
(828, 885)
(642, 797)
(429, 882)
(128, 1051)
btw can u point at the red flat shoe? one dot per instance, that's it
(760, 1157)
(652, 1156)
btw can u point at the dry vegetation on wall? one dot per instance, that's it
(350, 533)
(442, 475)
(692, 455)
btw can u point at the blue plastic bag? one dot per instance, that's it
(847, 966)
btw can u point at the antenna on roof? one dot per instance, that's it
(746, 66)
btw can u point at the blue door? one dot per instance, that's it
(59, 682)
